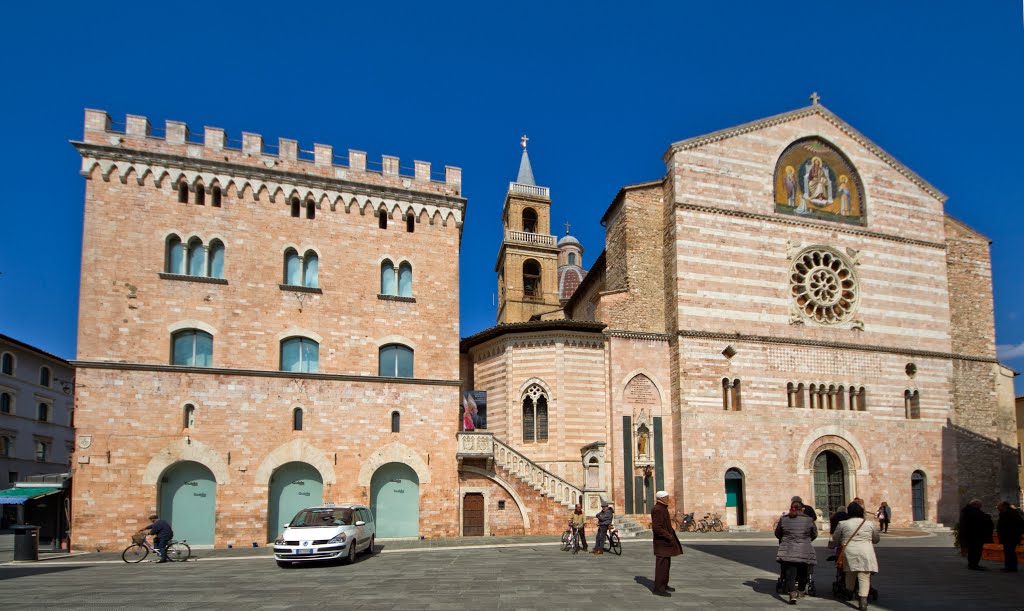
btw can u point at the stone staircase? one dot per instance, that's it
(630, 528)
(497, 452)
(933, 527)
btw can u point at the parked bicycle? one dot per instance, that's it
(685, 523)
(177, 551)
(711, 521)
(571, 541)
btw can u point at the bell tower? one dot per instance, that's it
(528, 259)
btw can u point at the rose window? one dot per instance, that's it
(823, 286)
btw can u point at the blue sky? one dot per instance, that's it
(601, 88)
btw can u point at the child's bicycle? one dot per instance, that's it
(177, 551)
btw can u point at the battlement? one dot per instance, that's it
(138, 133)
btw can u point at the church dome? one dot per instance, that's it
(569, 279)
(568, 240)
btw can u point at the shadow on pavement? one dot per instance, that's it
(646, 582)
(13, 572)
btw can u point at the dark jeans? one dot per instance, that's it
(1010, 556)
(796, 576)
(602, 532)
(662, 565)
(974, 553)
(161, 546)
(884, 525)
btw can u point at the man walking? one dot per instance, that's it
(975, 532)
(162, 533)
(1009, 529)
(604, 520)
(666, 544)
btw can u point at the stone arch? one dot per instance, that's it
(530, 382)
(523, 510)
(192, 324)
(836, 435)
(393, 452)
(626, 379)
(297, 450)
(190, 450)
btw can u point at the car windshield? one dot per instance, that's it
(310, 518)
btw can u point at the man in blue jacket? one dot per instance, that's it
(162, 533)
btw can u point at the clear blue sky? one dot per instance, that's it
(601, 88)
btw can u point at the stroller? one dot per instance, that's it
(839, 585)
(812, 590)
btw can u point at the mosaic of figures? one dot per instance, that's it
(813, 179)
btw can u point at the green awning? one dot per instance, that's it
(18, 496)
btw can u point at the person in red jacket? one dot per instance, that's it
(666, 544)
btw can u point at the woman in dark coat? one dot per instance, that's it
(795, 531)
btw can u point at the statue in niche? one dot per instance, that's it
(817, 184)
(643, 438)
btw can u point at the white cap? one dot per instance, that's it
(661, 494)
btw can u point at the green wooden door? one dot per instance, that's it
(395, 499)
(829, 483)
(293, 487)
(188, 500)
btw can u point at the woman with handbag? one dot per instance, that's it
(856, 538)
(795, 531)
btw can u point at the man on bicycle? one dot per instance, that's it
(162, 535)
(576, 522)
(604, 521)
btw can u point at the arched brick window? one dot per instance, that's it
(530, 220)
(531, 278)
(535, 414)
(297, 419)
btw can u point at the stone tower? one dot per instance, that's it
(527, 264)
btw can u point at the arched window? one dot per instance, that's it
(396, 422)
(5, 403)
(297, 419)
(731, 394)
(189, 416)
(310, 210)
(300, 354)
(215, 196)
(295, 207)
(43, 412)
(310, 270)
(182, 193)
(200, 195)
(42, 451)
(196, 258)
(535, 414)
(912, 404)
(862, 400)
(44, 376)
(530, 220)
(7, 363)
(292, 268)
(531, 278)
(395, 361)
(572, 258)
(387, 278)
(830, 397)
(174, 260)
(790, 395)
(382, 218)
(192, 348)
(405, 279)
(410, 223)
(215, 268)
(800, 390)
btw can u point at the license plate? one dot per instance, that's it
(306, 551)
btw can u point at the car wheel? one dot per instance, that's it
(351, 553)
(369, 548)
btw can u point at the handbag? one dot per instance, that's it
(841, 556)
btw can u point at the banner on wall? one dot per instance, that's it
(473, 412)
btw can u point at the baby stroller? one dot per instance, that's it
(812, 590)
(839, 585)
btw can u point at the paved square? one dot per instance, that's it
(714, 573)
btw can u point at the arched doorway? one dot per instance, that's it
(395, 500)
(829, 483)
(294, 486)
(734, 509)
(188, 500)
(918, 485)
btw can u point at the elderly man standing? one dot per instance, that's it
(604, 520)
(666, 544)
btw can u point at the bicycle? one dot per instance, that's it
(686, 524)
(571, 541)
(612, 543)
(177, 551)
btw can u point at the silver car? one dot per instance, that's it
(326, 533)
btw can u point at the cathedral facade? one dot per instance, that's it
(787, 311)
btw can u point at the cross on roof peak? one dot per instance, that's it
(525, 139)
(567, 225)
(815, 100)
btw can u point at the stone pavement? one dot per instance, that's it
(717, 572)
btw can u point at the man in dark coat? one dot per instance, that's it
(1010, 528)
(975, 531)
(666, 544)
(161, 530)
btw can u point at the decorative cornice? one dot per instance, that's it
(768, 339)
(801, 113)
(786, 220)
(657, 337)
(579, 328)
(260, 373)
(316, 188)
